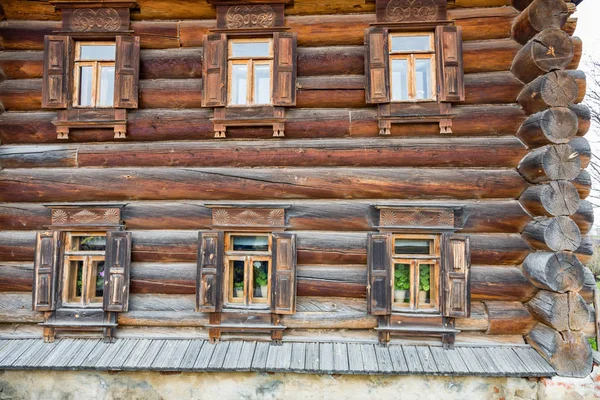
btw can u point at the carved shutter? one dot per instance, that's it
(214, 71)
(117, 267)
(45, 271)
(55, 85)
(284, 70)
(457, 270)
(210, 271)
(377, 65)
(283, 276)
(379, 285)
(127, 71)
(451, 85)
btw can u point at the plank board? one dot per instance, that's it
(260, 356)
(191, 354)
(312, 357)
(398, 360)
(412, 359)
(427, 361)
(298, 357)
(245, 359)
(232, 356)
(384, 360)
(355, 359)
(340, 357)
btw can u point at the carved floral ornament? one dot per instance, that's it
(102, 19)
(416, 218)
(260, 16)
(411, 10)
(105, 216)
(245, 217)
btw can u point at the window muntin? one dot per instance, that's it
(412, 72)
(94, 74)
(250, 71)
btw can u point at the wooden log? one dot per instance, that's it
(508, 318)
(16, 277)
(555, 234)
(157, 278)
(550, 163)
(584, 118)
(589, 285)
(491, 88)
(17, 246)
(555, 125)
(555, 89)
(45, 156)
(585, 251)
(114, 184)
(498, 249)
(549, 50)
(477, 321)
(583, 184)
(170, 93)
(538, 16)
(558, 272)
(584, 217)
(568, 352)
(561, 311)
(551, 199)
(582, 147)
(500, 283)
(162, 302)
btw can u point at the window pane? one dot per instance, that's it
(237, 279)
(102, 53)
(412, 246)
(411, 43)
(425, 284)
(250, 243)
(85, 86)
(74, 282)
(402, 284)
(399, 79)
(88, 243)
(250, 49)
(239, 84)
(260, 273)
(98, 271)
(107, 86)
(423, 78)
(262, 84)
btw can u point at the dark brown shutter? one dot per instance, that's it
(116, 271)
(451, 85)
(210, 272)
(127, 71)
(45, 271)
(214, 71)
(283, 276)
(377, 66)
(379, 284)
(55, 85)
(457, 269)
(284, 70)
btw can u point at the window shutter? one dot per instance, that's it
(284, 70)
(55, 85)
(127, 71)
(45, 273)
(283, 275)
(210, 271)
(457, 269)
(116, 271)
(214, 71)
(451, 85)
(377, 66)
(379, 285)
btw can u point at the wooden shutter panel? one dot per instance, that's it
(214, 71)
(457, 270)
(284, 70)
(451, 85)
(283, 276)
(210, 272)
(45, 271)
(377, 66)
(117, 268)
(127, 71)
(55, 85)
(379, 285)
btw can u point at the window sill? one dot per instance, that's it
(83, 118)
(243, 116)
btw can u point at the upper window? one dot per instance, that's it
(412, 66)
(94, 74)
(250, 71)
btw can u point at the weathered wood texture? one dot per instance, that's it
(554, 234)
(584, 253)
(552, 126)
(561, 311)
(551, 199)
(500, 283)
(584, 217)
(583, 149)
(555, 89)
(583, 184)
(538, 16)
(550, 163)
(558, 272)
(584, 118)
(508, 317)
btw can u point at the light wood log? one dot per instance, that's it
(552, 199)
(38, 156)
(549, 163)
(584, 117)
(555, 234)
(555, 89)
(16, 277)
(549, 50)
(582, 147)
(561, 311)
(585, 251)
(508, 318)
(584, 217)
(558, 272)
(583, 184)
(538, 16)
(477, 321)
(500, 283)
(555, 125)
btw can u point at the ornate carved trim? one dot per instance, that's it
(248, 217)
(417, 218)
(250, 16)
(410, 11)
(86, 215)
(94, 17)
(88, 20)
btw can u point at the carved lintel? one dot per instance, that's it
(250, 16)
(403, 11)
(416, 217)
(89, 215)
(248, 217)
(62, 132)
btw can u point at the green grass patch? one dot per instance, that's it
(593, 343)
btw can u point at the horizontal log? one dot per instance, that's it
(553, 234)
(508, 318)
(555, 89)
(16, 276)
(583, 148)
(500, 283)
(555, 125)
(551, 199)
(589, 285)
(538, 16)
(583, 184)
(89, 184)
(550, 163)
(584, 217)
(584, 118)
(560, 311)
(557, 272)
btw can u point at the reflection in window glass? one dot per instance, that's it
(411, 43)
(99, 272)
(85, 86)
(262, 83)
(98, 53)
(88, 243)
(250, 243)
(237, 279)
(239, 84)
(250, 49)
(78, 266)
(412, 246)
(425, 282)
(260, 273)
(399, 79)
(423, 78)
(107, 86)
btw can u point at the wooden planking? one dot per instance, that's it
(218, 356)
(412, 359)
(191, 354)
(355, 360)
(399, 364)
(297, 363)
(312, 357)
(261, 352)
(326, 357)
(136, 356)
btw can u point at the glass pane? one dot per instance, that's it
(423, 78)
(425, 284)
(412, 246)
(262, 84)
(95, 52)
(250, 49)
(107, 86)
(260, 274)
(411, 43)
(399, 79)
(98, 271)
(402, 283)
(250, 243)
(88, 243)
(85, 86)
(237, 279)
(74, 282)
(239, 83)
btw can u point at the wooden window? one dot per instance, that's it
(412, 66)
(250, 71)
(94, 84)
